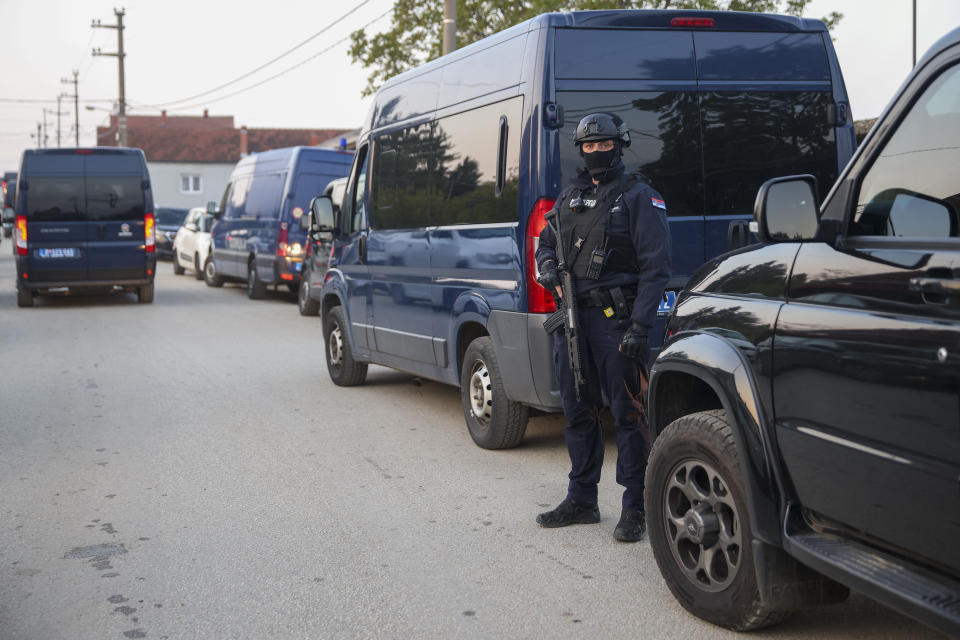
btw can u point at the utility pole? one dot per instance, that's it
(76, 106)
(119, 55)
(39, 138)
(449, 26)
(59, 113)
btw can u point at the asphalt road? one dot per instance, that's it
(186, 469)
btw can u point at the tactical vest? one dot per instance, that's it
(584, 231)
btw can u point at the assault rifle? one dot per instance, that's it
(566, 314)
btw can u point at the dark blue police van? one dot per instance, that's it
(257, 237)
(459, 159)
(84, 220)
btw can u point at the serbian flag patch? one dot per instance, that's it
(659, 204)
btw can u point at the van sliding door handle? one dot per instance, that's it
(935, 285)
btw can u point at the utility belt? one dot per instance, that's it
(615, 302)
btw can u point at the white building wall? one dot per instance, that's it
(166, 180)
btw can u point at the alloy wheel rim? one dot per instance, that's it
(335, 346)
(702, 524)
(481, 393)
(210, 270)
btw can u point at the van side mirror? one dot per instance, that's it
(212, 209)
(786, 210)
(321, 214)
(304, 221)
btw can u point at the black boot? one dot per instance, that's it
(569, 512)
(631, 527)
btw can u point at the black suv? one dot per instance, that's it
(806, 404)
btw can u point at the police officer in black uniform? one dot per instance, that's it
(616, 241)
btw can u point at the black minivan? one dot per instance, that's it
(84, 221)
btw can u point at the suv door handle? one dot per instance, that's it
(937, 290)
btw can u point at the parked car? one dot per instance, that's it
(84, 221)
(191, 246)
(9, 188)
(433, 253)
(806, 403)
(317, 253)
(169, 219)
(258, 238)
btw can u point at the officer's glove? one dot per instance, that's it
(634, 343)
(549, 278)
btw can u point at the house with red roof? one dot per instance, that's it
(190, 157)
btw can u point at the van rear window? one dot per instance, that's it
(761, 56)
(93, 198)
(634, 54)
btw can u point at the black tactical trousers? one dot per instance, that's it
(613, 380)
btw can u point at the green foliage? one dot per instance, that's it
(416, 34)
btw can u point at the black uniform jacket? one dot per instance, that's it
(643, 217)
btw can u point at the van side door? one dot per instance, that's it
(350, 250)
(867, 356)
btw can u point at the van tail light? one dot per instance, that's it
(692, 22)
(149, 242)
(283, 237)
(539, 299)
(21, 235)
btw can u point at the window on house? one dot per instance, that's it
(190, 183)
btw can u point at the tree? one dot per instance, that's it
(416, 35)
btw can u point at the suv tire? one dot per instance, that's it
(343, 369)
(307, 305)
(197, 271)
(494, 421)
(24, 298)
(256, 289)
(210, 275)
(698, 523)
(145, 294)
(177, 269)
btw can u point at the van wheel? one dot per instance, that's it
(698, 523)
(307, 305)
(494, 421)
(177, 268)
(210, 275)
(197, 271)
(344, 370)
(256, 289)
(145, 293)
(24, 298)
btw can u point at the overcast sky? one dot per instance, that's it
(177, 49)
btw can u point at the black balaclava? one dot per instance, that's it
(599, 162)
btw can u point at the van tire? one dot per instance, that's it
(343, 369)
(256, 289)
(307, 305)
(24, 298)
(698, 450)
(493, 420)
(178, 270)
(197, 271)
(145, 294)
(210, 275)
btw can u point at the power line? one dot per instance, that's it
(264, 65)
(275, 76)
(46, 101)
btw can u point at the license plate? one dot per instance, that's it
(57, 253)
(666, 303)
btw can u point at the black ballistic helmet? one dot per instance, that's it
(602, 126)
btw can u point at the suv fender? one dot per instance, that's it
(713, 361)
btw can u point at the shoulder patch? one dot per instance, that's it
(658, 203)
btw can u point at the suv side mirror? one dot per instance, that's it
(786, 210)
(321, 214)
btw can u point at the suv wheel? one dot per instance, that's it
(145, 293)
(698, 523)
(494, 421)
(307, 305)
(344, 370)
(24, 298)
(210, 275)
(177, 267)
(256, 289)
(197, 271)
